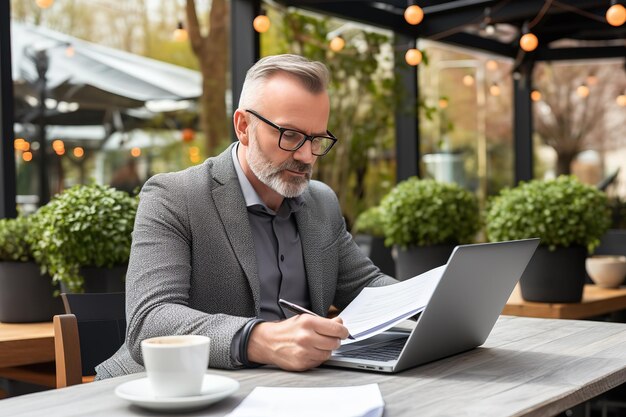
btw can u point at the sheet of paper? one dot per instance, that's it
(356, 401)
(377, 309)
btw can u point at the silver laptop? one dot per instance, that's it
(475, 285)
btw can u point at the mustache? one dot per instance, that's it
(294, 165)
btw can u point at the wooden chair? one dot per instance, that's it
(91, 331)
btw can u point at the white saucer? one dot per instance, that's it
(214, 388)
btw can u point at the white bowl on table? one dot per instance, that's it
(607, 271)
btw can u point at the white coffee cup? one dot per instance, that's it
(176, 364)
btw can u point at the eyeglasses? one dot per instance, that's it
(291, 140)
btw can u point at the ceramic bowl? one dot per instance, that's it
(607, 271)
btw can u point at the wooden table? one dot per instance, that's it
(23, 346)
(26, 343)
(596, 301)
(527, 367)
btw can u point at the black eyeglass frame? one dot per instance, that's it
(306, 137)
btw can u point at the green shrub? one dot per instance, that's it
(13, 243)
(562, 212)
(83, 226)
(426, 212)
(370, 222)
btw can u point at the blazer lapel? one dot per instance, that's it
(231, 206)
(310, 239)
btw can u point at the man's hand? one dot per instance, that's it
(296, 344)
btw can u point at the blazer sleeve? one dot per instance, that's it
(159, 275)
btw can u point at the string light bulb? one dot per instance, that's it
(582, 91)
(468, 80)
(621, 100)
(413, 57)
(494, 90)
(135, 152)
(492, 65)
(188, 135)
(194, 154)
(194, 150)
(27, 156)
(180, 33)
(616, 15)
(261, 23)
(70, 51)
(535, 95)
(443, 103)
(337, 44)
(528, 42)
(414, 14)
(78, 152)
(486, 25)
(44, 4)
(58, 146)
(20, 144)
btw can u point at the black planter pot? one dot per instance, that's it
(25, 295)
(555, 276)
(101, 280)
(418, 259)
(375, 249)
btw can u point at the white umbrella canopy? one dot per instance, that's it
(95, 76)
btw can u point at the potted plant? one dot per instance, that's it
(568, 216)
(83, 237)
(25, 294)
(370, 236)
(425, 220)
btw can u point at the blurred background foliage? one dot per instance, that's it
(361, 167)
(465, 101)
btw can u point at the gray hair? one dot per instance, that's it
(313, 75)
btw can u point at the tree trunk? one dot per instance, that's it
(359, 189)
(212, 53)
(564, 163)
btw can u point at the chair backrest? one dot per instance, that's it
(98, 323)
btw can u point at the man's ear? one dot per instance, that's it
(241, 126)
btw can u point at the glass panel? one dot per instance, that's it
(579, 126)
(361, 165)
(466, 118)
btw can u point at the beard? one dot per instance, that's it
(272, 176)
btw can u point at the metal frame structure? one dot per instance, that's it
(407, 122)
(7, 160)
(455, 22)
(244, 41)
(458, 22)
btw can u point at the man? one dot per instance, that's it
(215, 246)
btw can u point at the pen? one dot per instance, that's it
(295, 308)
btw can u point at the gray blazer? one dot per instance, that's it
(192, 268)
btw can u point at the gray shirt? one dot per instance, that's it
(278, 252)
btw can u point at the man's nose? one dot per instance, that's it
(304, 154)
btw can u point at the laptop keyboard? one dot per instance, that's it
(380, 352)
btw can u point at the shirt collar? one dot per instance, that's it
(251, 196)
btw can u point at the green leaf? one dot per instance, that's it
(562, 212)
(426, 212)
(83, 226)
